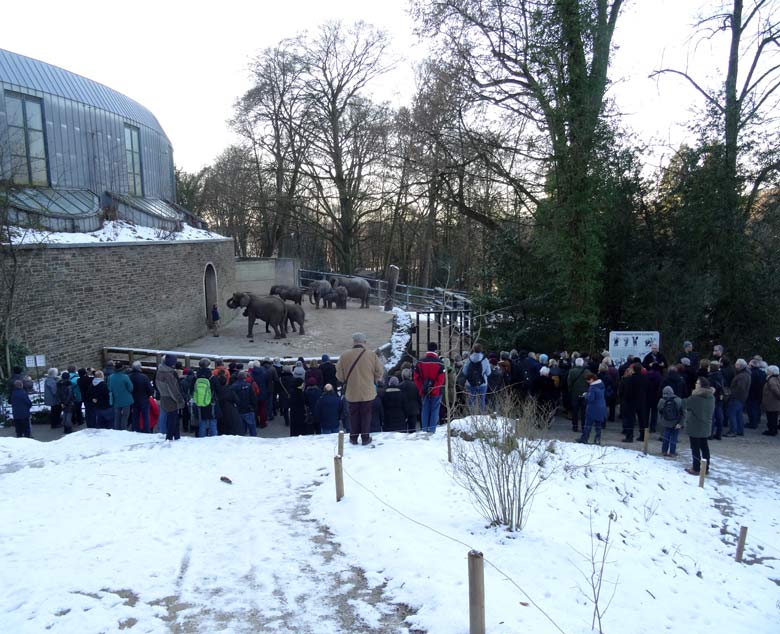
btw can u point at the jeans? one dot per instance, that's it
(430, 413)
(121, 416)
(209, 425)
(717, 420)
(734, 410)
(161, 426)
(669, 444)
(586, 426)
(140, 412)
(171, 425)
(250, 423)
(67, 419)
(699, 449)
(476, 392)
(753, 409)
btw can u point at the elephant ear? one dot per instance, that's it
(244, 300)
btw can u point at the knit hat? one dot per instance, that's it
(668, 392)
(299, 372)
(325, 358)
(393, 381)
(687, 344)
(170, 360)
(543, 359)
(65, 376)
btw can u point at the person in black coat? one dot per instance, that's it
(287, 383)
(675, 380)
(232, 425)
(633, 392)
(67, 401)
(328, 369)
(244, 388)
(298, 426)
(142, 390)
(20, 410)
(411, 399)
(98, 392)
(394, 407)
(311, 395)
(85, 386)
(328, 410)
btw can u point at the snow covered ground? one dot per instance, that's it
(112, 231)
(104, 531)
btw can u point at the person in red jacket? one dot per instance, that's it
(429, 378)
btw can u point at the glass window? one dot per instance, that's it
(26, 139)
(133, 155)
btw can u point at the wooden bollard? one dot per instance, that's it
(741, 543)
(702, 472)
(647, 440)
(476, 593)
(339, 478)
(341, 443)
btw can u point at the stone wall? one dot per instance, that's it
(74, 300)
(258, 275)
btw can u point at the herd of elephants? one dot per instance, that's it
(278, 313)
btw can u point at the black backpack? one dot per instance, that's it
(474, 374)
(670, 411)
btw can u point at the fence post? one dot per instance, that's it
(476, 593)
(703, 472)
(339, 478)
(647, 439)
(341, 443)
(741, 543)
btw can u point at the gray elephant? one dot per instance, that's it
(337, 296)
(293, 293)
(269, 309)
(295, 315)
(316, 289)
(357, 287)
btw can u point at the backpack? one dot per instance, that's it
(201, 395)
(670, 411)
(474, 374)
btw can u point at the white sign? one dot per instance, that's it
(634, 342)
(35, 361)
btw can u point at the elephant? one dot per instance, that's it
(316, 289)
(295, 315)
(293, 293)
(337, 296)
(270, 309)
(357, 287)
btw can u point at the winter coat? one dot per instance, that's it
(327, 412)
(431, 368)
(142, 387)
(740, 385)
(677, 383)
(699, 408)
(634, 391)
(412, 397)
(287, 386)
(651, 358)
(167, 383)
(260, 378)
(121, 388)
(610, 391)
(757, 380)
(245, 396)
(50, 391)
(595, 402)
(271, 377)
(85, 387)
(99, 394)
(65, 398)
(315, 373)
(328, 370)
(27, 384)
(716, 383)
(187, 385)
(311, 395)
(231, 423)
(496, 380)
(298, 426)
(576, 382)
(477, 357)
(394, 410)
(654, 379)
(20, 404)
(771, 397)
(209, 412)
(545, 390)
(680, 409)
(361, 386)
(74, 378)
(728, 371)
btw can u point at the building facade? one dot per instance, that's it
(74, 152)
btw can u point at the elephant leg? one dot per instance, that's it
(292, 323)
(251, 325)
(267, 329)
(279, 331)
(300, 329)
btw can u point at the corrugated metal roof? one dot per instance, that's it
(26, 72)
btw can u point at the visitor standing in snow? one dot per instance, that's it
(359, 369)
(327, 411)
(595, 409)
(66, 401)
(142, 390)
(699, 407)
(771, 400)
(476, 370)
(429, 377)
(20, 410)
(204, 400)
(50, 397)
(671, 418)
(171, 401)
(578, 387)
(101, 401)
(215, 320)
(121, 389)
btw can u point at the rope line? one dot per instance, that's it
(457, 541)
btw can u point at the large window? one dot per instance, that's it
(27, 143)
(133, 151)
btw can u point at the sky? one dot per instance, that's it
(188, 62)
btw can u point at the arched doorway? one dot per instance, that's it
(209, 290)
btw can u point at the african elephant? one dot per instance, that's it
(316, 289)
(269, 308)
(295, 315)
(293, 293)
(337, 296)
(357, 287)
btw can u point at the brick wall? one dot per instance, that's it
(74, 300)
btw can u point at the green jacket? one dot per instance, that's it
(121, 388)
(699, 408)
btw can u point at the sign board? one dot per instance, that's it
(634, 342)
(35, 361)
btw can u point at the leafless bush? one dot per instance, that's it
(506, 461)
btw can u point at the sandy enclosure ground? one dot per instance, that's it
(328, 331)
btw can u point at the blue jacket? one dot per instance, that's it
(260, 377)
(327, 412)
(121, 388)
(142, 387)
(20, 404)
(595, 403)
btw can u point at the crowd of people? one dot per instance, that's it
(709, 398)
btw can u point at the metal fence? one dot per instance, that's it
(450, 329)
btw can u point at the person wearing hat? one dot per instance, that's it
(66, 401)
(394, 406)
(429, 377)
(359, 369)
(299, 372)
(671, 418)
(755, 393)
(171, 401)
(20, 409)
(328, 369)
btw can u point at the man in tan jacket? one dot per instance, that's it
(359, 369)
